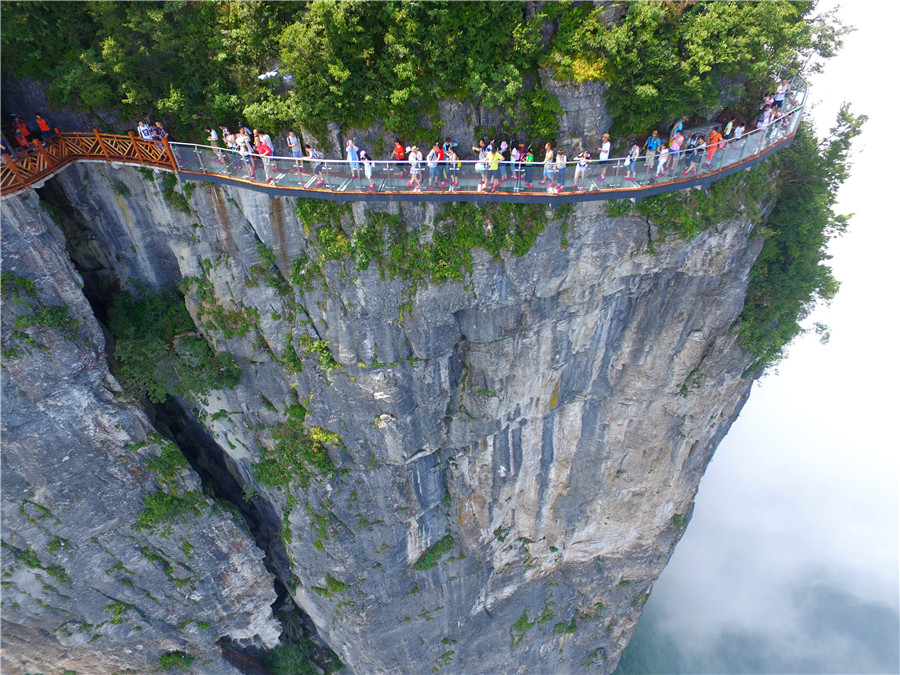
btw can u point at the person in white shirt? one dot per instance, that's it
(603, 156)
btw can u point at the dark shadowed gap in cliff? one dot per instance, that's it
(174, 420)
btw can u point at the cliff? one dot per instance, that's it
(514, 453)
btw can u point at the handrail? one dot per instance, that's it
(343, 180)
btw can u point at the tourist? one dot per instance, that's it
(581, 165)
(265, 150)
(242, 142)
(728, 128)
(529, 168)
(44, 126)
(317, 156)
(399, 155)
(663, 158)
(415, 169)
(674, 151)
(712, 145)
(482, 164)
(265, 138)
(631, 161)
(213, 139)
(448, 144)
(549, 165)
(689, 154)
(699, 150)
(441, 173)
(296, 151)
(495, 160)
(453, 165)
(432, 161)
(353, 158)
(651, 145)
(367, 168)
(678, 126)
(603, 156)
(22, 129)
(144, 131)
(561, 161)
(515, 156)
(739, 130)
(160, 131)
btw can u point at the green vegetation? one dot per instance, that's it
(399, 251)
(163, 508)
(268, 270)
(22, 291)
(791, 275)
(360, 63)
(158, 351)
(168, 463)
(430, 557)
(299, 453)
(311, 345)
(666, 60)
(563, 628)
(331, 587)
(175, 659)
(118, 610)
(178, 200)
(58, 572)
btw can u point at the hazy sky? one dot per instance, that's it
(794, 540)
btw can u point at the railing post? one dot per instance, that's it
(134, 144)
(12, 165)
(170, 155)
(42, 152)
(100, 143)
(199, 158)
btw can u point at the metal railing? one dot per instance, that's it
(345, 180)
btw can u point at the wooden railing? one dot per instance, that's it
(44, 158)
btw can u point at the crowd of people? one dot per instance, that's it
(23, 135)
(246, 150)
(495, 163)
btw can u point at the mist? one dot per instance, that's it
(790, 564)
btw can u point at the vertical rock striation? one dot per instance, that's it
(515, 455)
(83, 588)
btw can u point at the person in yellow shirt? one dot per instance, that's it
(494, 169)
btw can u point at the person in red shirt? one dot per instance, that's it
(712, 144)
(21, 129)
(399, 154)
(44, 126)
(442, 167)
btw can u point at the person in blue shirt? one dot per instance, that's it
(651, 145)
(678, 126)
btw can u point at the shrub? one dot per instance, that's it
(158, 351)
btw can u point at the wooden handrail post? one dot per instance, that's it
(170, 155)
(12, 165)
(100, 143)
(43, 153)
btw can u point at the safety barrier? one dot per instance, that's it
(461, 180)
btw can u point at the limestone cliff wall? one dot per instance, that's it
(544, 423)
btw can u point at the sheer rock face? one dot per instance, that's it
(83, 589)
(546, 422)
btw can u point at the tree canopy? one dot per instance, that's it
(359, 63)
